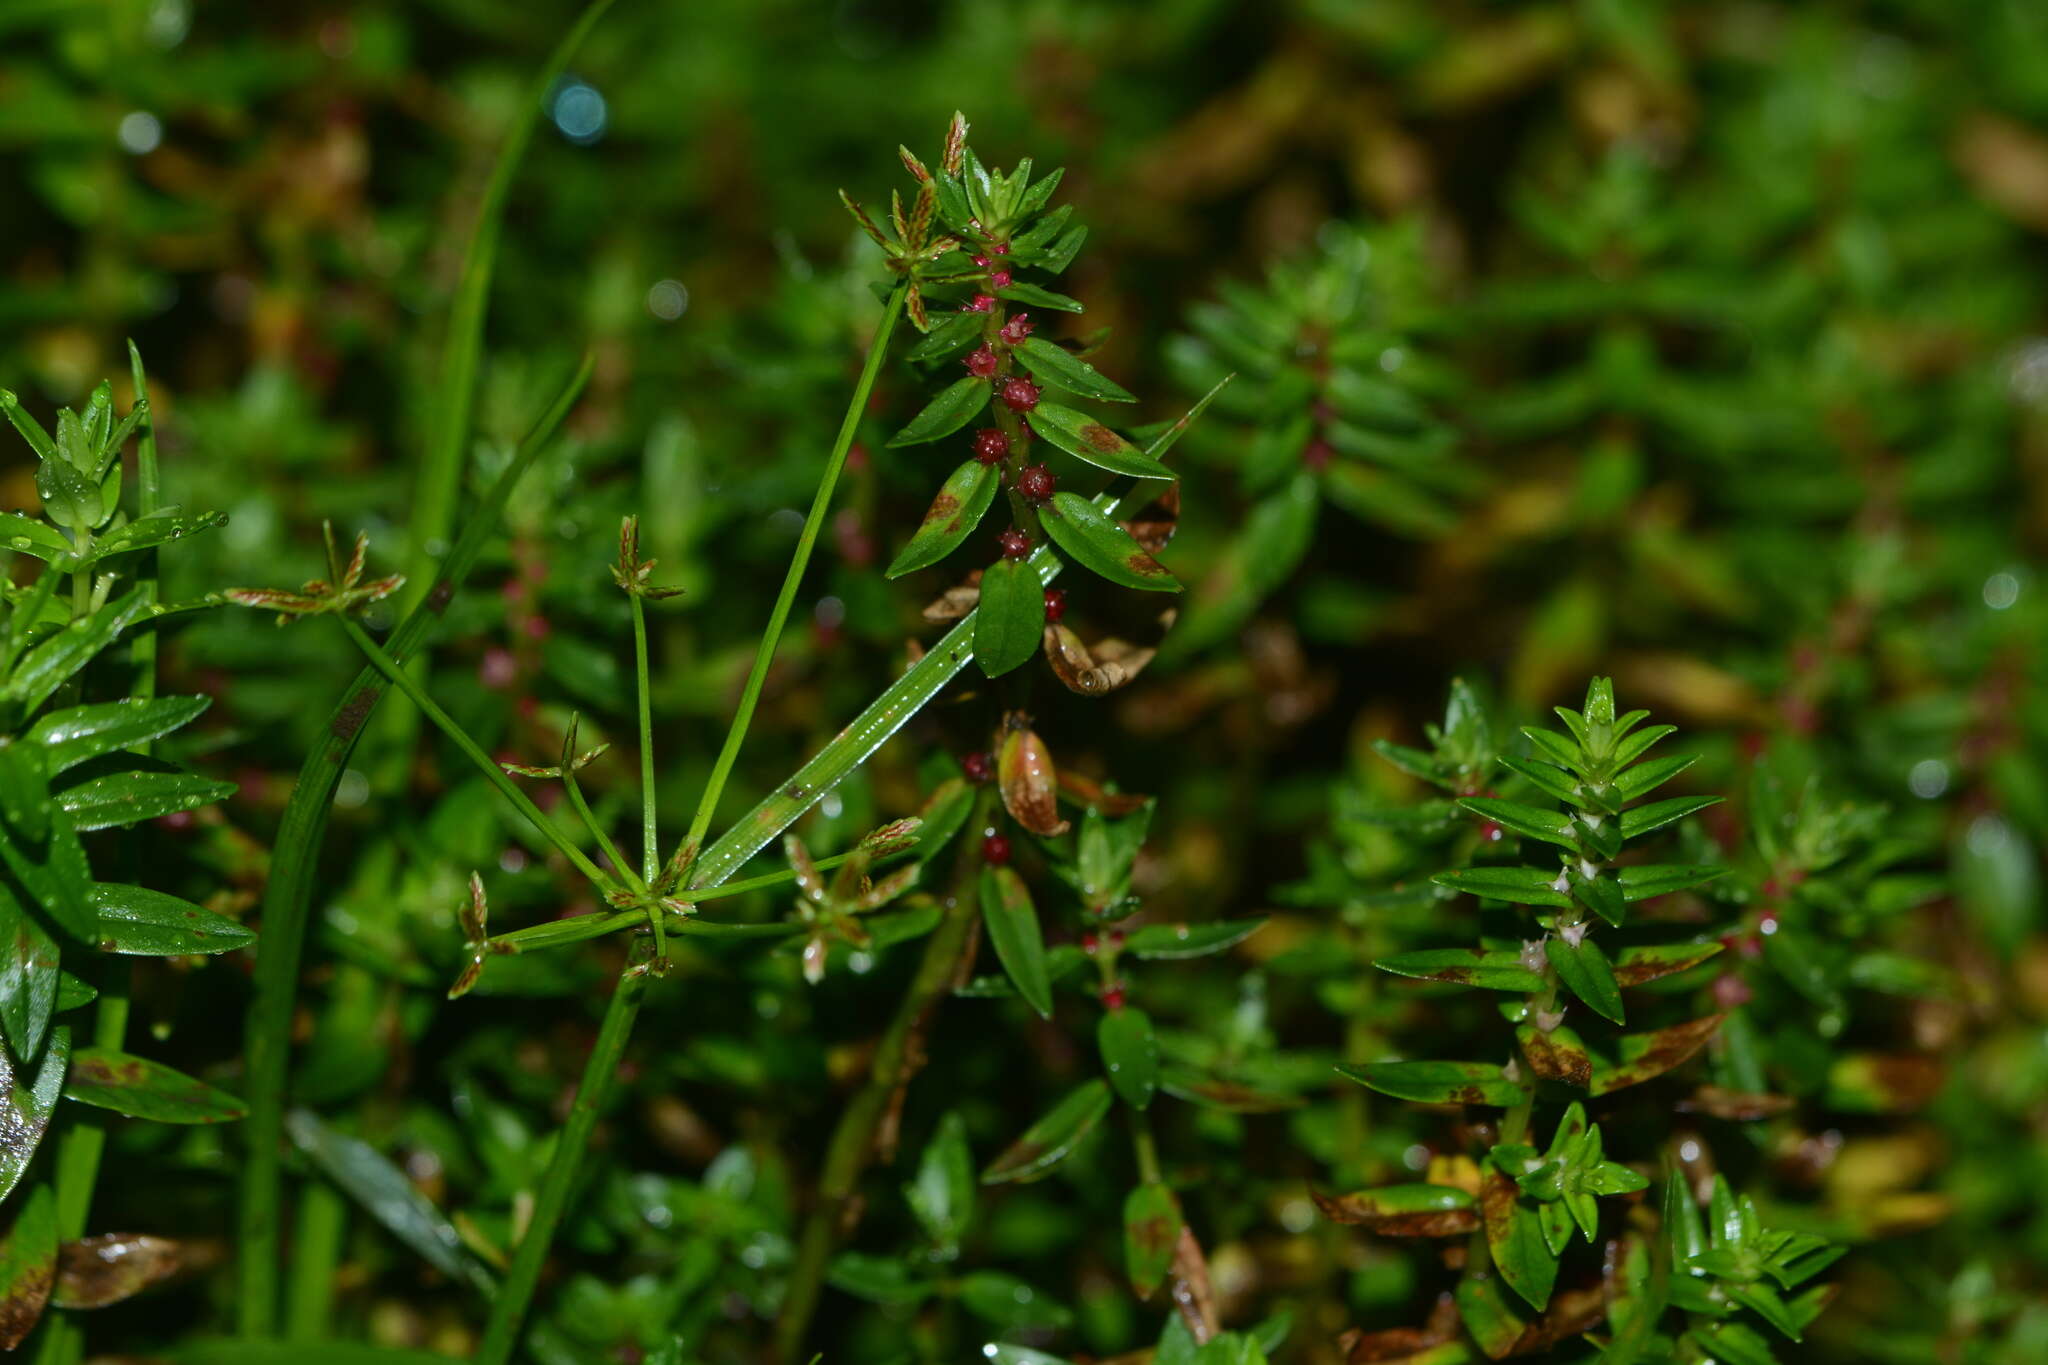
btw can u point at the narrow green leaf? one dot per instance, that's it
(1152, 1224)
(1012, 923)
(1086, 438)
(71, 497)
(1130, 1054)
(24, 422)
(158, 528)
(1050, 1140)
(1658, 814)
(1514, 1233)
(954, 407)
(50, 664)
(1010, 619)
(28, 1265)
(55, 877)
(389, 1196)
(1493, 969)
(1645, 880)
(1062, 369)
(942, 1196)
(1522, 885)
(141, 922)
(143, 1089)
(26, 1103)
(878, 1279)
(949, 334)
(1551, 780)
(1174, 941)
(957, 510)
(1648, 961)
(1100, 545)
(32, 536)
(1032, 296)
(1531, 822)
(1647, 777)
(1584, 968)
(126, 798)
(1437, 1082)
(1603, 896)
(75, 734)
(25, 792)
(28, 976)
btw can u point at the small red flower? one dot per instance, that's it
(999, 279)
(982, 363)
(1035, 483)
(1055, 606)
(995, 850)
(990, 445)
(1018, 393)
(977, 767)
(1014, 543)
(980, 303)
(1016, 329)
(1113, 996)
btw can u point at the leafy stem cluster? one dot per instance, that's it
(1533, 1181)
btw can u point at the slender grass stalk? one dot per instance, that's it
(474, 752)
(515, 1294)
(853, 1138)
(596, 828)
(439, 484)
(750, 696)
(650, 846)
(84, 1142)
(440, 477)
(295, 861)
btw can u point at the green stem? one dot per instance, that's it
(83, 1143)
(853, 1139)
(590, 822)
(508, 1308)
(287, 898)
(750, 696)
(650, 850)
(485, 764)
(579, 928)
(317, 1235)
(1144, 1150)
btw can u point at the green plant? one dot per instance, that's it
(82, 719)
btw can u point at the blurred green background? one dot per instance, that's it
(1723, 363)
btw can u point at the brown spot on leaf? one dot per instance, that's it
(1645, 1056)
(1363, 1210)
(440, 595)
(943, 506)
(1402, 1343)
(1556, 1056)
(1155, 523)
(1100, 437)
(1740, 1106)
(1192, 1295)
(1028, 779)
(23, 1305)
(354, 712)
(96, 1271)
